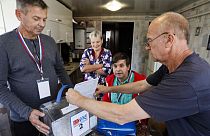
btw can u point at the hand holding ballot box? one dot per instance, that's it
(66, 119)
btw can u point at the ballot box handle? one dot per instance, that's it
(58, 99)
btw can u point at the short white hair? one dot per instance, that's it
(95, 33)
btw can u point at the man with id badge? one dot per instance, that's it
(31, 64)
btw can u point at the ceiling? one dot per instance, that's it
(83, 8)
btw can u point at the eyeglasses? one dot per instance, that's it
(147, 44)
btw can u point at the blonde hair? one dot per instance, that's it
(95, 33)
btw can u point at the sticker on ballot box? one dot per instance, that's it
(80, 123)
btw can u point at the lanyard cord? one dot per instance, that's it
(118, 81)
(35, 53)
(39, 63)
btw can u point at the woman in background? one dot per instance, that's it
(96, 60)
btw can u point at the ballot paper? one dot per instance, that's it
(87, 88)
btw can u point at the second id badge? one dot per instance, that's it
(44, 88)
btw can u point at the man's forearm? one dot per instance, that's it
(134, 87)
(104, 110)
(109, 111)
(11, 101)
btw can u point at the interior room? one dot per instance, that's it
(123, 29)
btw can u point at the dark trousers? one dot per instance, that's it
(24, 129)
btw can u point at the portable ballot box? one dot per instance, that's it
(65, 119)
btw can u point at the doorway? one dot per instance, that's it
(118, 36)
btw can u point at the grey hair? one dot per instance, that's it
(175, 22)
(22, 4)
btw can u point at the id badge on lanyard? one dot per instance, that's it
(43, 83)
(43, 87)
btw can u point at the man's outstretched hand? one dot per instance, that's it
(101, 89)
